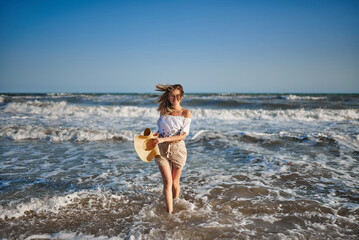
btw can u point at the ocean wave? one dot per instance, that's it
(278, 115)
(14, 210)
(345, 141)
(53, 204)
(62, 109)
(61, 134)
(65, 134)
(70, 235)
(348, 142)
(296, 97)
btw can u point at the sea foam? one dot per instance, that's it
(59, 134)
(62, 109)
(54, 204)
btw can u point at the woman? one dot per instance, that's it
(173, 124)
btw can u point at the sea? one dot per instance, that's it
(260, 166)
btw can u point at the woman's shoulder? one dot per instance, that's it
(186, 113)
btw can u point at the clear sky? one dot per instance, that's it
(303, 46)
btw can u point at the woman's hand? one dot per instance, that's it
(157, 140)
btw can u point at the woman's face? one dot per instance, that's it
(175, 97)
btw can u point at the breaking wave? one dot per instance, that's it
(63, 134)
(296, 97)
(62, 109)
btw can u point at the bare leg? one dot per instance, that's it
(167, 186)
(176, 175)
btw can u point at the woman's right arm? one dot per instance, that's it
(176, 138)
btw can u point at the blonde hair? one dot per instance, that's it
(165, 106)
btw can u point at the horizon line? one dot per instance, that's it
(284, 93)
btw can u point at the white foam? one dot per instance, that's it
(214, 225)
(37, 205)
(348, 141)
(53, 204)
(182, 204)
(200, 134)
(278, 115)
(60, 134)
(267, 218)
(296, 97)
(70, 236)
(62, 109)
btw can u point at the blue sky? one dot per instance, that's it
(208, 46)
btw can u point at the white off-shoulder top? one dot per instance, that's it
(169, 125)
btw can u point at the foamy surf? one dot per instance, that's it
(62, 109)
(70, 236)
(296, 97)
(56, 204)
(60, 134)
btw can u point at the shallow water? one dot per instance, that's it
(259, 167)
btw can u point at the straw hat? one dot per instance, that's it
(144, 146)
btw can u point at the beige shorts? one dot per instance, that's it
(174, 152)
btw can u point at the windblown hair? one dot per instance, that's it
(165, 106)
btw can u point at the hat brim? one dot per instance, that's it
(144, 147)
